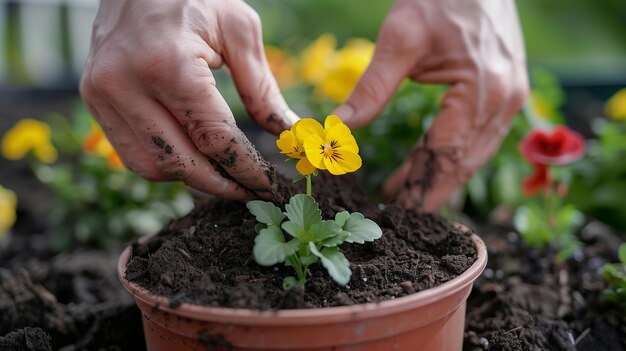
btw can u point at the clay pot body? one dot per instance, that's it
(430, 320)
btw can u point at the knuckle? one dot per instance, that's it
(252, 19)
(249, 20)
(104, 79)
(210, 138)
(157, 64)
(175, 165)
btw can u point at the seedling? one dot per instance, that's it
(310, 238)
(615, 276)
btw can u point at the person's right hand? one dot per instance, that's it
(148, 82)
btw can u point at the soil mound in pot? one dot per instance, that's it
(206, 257)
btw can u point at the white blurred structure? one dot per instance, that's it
(41, 27)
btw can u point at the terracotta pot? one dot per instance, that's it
(428, 320)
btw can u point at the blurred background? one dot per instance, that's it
(576, 54)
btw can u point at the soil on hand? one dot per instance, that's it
(206, 257)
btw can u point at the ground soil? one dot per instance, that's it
(206, 257)
(527, 300)
(523, 301)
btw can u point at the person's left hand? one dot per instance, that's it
(475, 47)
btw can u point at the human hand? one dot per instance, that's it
(476, 48)
(148, 82)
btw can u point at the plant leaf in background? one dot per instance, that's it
(96, 201)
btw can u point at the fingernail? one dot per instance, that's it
(291, 117)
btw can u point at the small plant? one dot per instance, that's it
(615, 276)
(96, 200)
(312, 239)
(550, 222)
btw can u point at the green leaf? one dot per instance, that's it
(258, 227)
(335, 263)
(361, 229)
(290, 282)
(265, 212)
(336, 240)
(621, 252)
(323, 230)
(270, 246)
(308, 260)
(529, 222)
(341, 217)
(569, 219)
(303, 211)
(297, 178)
(293, 229)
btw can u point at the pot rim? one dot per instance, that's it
(312, 315)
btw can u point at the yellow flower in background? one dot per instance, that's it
(332, 147)
(8, 205)
(291, 146)
(96, 143)
(317, 58)
(541, 107)
(615, 107)
(29, 135)
(349, 64)
(282, 66)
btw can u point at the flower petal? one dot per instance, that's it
(345, 162)
(331, 121)
(305, 167)
(313, 147)
(289, 144)
(307, 126)
(341, 134)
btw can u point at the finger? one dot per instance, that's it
(462, 138)
(121, 137)
(252, 75)
(207, 120)
(161, 136)
(397, 51)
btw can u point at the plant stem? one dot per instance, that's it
(295, 262)
(308, 185)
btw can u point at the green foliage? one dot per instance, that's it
(615, 276)
(558, 230)
(95, 204)
(313, 238)
(599, 180)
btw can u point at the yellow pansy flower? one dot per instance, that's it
(8, 204)
(290, 145)
(317, 58)
(615, 107)
(29, 135)
(348, 65)
(97, 143)
(332, 147)
(281, 65)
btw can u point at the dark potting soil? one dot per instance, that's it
(206, 257)
(527, 300)
(69, 301)
(27, 339)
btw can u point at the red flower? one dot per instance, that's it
(536, 181)
(557, 147)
